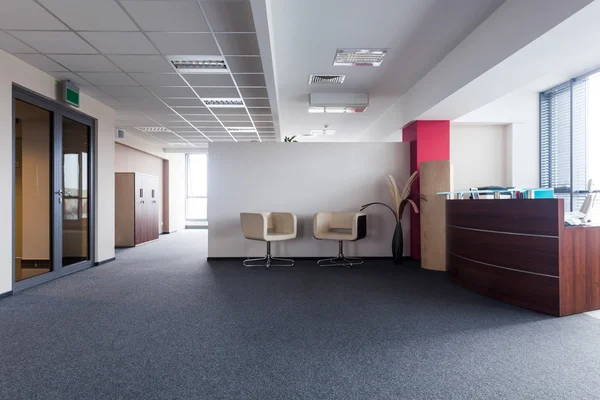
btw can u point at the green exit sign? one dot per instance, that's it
(71, 93)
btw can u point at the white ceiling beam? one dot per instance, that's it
(514, 25)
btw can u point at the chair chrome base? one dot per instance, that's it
(267, 261)
(341, 260)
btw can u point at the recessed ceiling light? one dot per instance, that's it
(315, 132)
(326, 79)
(198, 64)
(241, 130)
(359, 57)
(223, 103)
(152, 129)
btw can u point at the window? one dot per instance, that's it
(569, 133)
(196, 181)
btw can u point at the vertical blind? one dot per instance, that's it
(564, 141)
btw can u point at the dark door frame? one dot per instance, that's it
(57, 111)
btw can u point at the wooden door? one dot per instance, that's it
(153, 205)
(140, 210)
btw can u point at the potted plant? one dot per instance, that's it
(400, 201)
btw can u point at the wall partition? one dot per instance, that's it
(53, 179)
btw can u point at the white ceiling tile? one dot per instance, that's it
(167, 16)
(108, 78)
(143, 101)
(250, 80)
(42, 62)
(263, 124)
(191, 112)
(164, 92)
(167, 117)
(234, 118)
(185, 43)
(209, 79)
(109, 101)
(26, 14)
(229, 16)
(184, 102)
(12, 45)
(257, 118)
(85, 62)
(227, 92)
(120, 42)
(63, 76)
(229, 111)
(126, 91)
(94, 92)
(91, 15)
(254, 111)
(150, 79)
(245, 64)
(254, 92)
(238, 43)
(257, 102)
(137, 63)
(55, 42)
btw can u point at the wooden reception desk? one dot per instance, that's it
(519, 251)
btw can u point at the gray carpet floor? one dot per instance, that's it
(162, 323)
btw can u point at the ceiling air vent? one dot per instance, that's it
(223, 103)
(326, 79)
(153, 129)
(359, 57)
(198, 64)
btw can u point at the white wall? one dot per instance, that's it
(519, 112)
(478, 156)
(302, 178)
(14, 70)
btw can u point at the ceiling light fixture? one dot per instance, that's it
(242, 130)
(315, 132)
(153, 129)
(359, 57)
(198, 64)
(223, 103)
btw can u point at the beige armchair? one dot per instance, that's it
(340, 226)
(268, 227)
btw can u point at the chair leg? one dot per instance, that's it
(267, 261)
(340, 260)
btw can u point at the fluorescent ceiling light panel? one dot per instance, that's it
(152, 129)
(223, 103)
(241, 130)
(359, 57)
(199, 64)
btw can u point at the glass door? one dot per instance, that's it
(75, 190)
(53, 190)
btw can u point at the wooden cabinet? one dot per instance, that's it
(136, 209)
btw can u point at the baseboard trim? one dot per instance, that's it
(98, 263)
(7, 294)
(297, 258)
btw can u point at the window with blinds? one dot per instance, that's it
(568, 130)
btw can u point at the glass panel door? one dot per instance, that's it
(53, 190)
(75, 191)
(33, 188)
